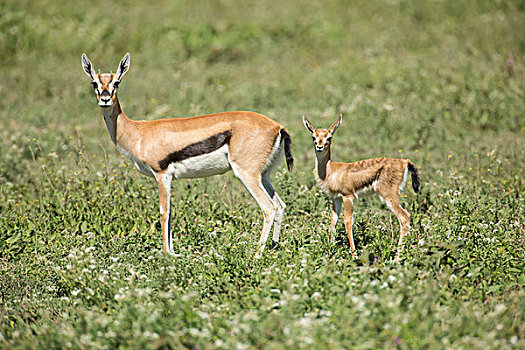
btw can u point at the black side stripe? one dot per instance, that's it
(205, 146)
(370, 181)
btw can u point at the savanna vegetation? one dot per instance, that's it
(439, 82)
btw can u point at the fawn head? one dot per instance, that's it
(322, 137)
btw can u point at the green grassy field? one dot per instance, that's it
(439, 82)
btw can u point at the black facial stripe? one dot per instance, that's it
(205, 146)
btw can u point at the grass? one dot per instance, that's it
(441, 83)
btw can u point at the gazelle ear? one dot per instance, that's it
(308, 125)
(87, 66)
(335, 125)
(123, 67)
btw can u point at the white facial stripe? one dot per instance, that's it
(97, 85)
(113, 85)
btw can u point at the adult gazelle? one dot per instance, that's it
(248, 143)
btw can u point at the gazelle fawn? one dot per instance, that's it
(344, 182)
(248, 143)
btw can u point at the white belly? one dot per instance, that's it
(365, 192)
(208, 164)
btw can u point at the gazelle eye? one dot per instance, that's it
(95, 85)
(313, 138)
(115, 84)
(328, 139)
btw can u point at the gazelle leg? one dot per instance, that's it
(404, 222)
(253, 183)
(279, 215)
(164, 184)
(336, 210)
(349, 220)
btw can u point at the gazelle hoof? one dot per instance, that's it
(274, 244)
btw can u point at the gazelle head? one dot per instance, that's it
(322, 137)
(105, 84)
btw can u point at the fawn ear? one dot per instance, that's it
(123, 67)
(335, 125)
(88, 67)
(308, 125)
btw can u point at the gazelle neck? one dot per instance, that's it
(321, 162)
(114, 118)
